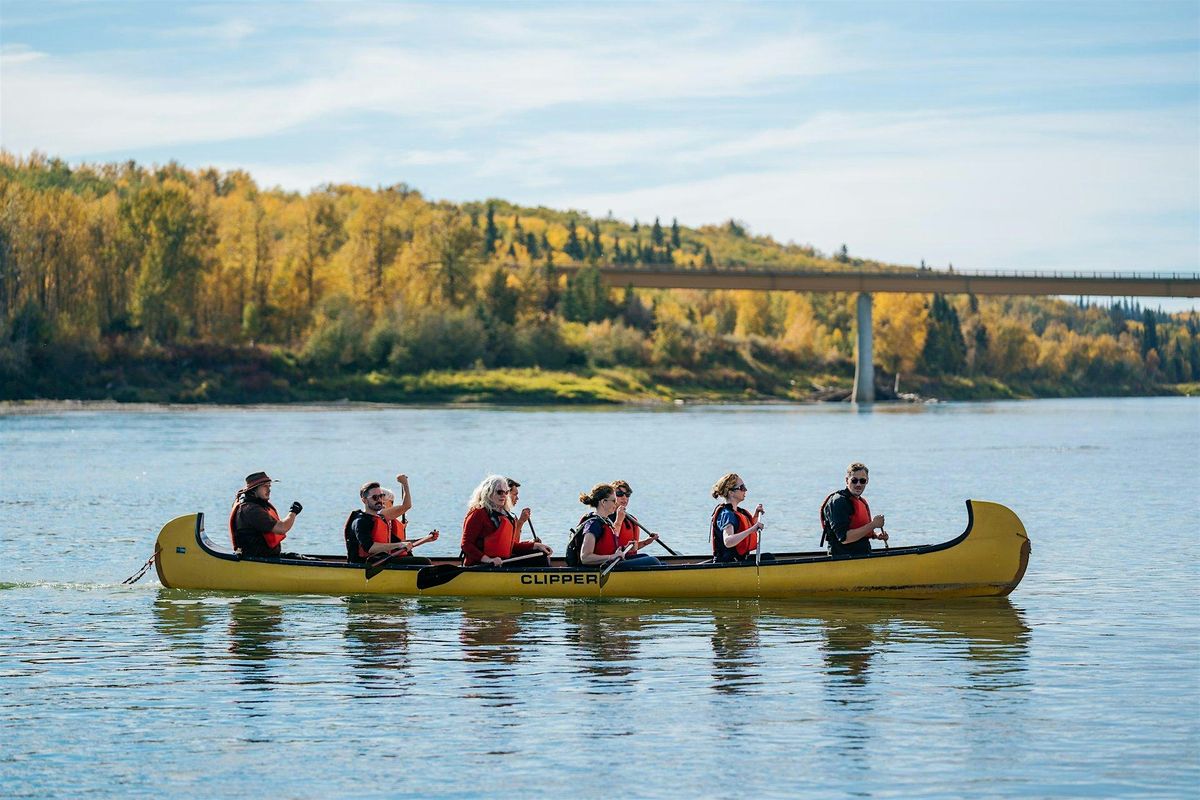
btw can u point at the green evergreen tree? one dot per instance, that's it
(656, 234)
(490, 232)
(708, 257)
(945, 351)
(1149, 333)
(675, 241)
(531, 244)
(573, 247)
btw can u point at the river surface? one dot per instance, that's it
(1085, 682)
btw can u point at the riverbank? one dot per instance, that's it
(243, 384)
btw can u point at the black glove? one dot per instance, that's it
(296, 507)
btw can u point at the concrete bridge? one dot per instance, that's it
(922, 281)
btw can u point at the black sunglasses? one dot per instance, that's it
(624, 494)
(741, 488)
(858, 481)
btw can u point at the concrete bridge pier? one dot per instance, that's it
(864, 365)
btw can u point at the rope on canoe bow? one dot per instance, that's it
(138, 575)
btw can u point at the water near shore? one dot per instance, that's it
(1083, 683)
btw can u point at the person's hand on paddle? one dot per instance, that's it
(494, 561)
(619, 519)
(296, 507)
(759, 511)
(545, 548)
(877, 522)
(881, 536)
(524, 516)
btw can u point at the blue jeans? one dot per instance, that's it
(640, 560)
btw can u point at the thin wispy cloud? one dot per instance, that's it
(1003, 134)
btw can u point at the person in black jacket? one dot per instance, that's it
(846, 522)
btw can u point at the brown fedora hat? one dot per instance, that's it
(256, 479)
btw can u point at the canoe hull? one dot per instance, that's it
(987, 560)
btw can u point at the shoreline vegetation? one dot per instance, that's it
(159, 285)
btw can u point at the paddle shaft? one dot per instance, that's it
(637, 522)
(534, 532)
(373, 568)
(438, 574)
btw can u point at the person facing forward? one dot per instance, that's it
(490, 533)
(599, 528)
(734, 530)
(846, 522)
(627, 533)
(380, 526)
(254, 525)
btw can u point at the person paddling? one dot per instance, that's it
(733, 530)
(627, 534)
(599, 529)
(491, 534)
(254, 525)
(846, 522)
(381, 526)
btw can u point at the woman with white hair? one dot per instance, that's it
(491, 534)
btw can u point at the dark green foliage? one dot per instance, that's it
(675, 241)
(490, 232)
(586, 297)
(1149, 333)
(945, 350)
(656, 234)
(573, 247)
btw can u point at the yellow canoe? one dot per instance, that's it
(987, 560)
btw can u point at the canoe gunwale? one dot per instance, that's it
(779, 560)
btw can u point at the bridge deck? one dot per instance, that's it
(1175, 284)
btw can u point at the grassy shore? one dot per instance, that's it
(276, 378)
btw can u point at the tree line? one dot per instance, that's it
(116, 261)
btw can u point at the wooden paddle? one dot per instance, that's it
(438, 574)
(375, 567)
(647, 530)
(617, 560)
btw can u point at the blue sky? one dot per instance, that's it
(990, 135)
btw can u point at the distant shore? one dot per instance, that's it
(532, 387)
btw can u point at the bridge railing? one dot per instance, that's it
(908, 272)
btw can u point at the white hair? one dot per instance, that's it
(485, 491)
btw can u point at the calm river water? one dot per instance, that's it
(1084, 683)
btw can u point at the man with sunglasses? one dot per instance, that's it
(380, 527)
(846, 522)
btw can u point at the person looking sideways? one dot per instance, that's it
(490, 534)
(380, 526)
(734, 530)
(846, 522)
(627, 533)
(599, 531)
(254, 525)
(523, 517)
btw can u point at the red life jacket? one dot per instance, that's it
(860, 514)
(744, 520)
(628, 534)
(383, 531)
(499, 543)
(606, 543)
(272, 539)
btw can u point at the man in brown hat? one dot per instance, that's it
(254, 524)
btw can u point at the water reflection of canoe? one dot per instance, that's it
(987, 560)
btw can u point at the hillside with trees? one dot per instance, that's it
(167, 284)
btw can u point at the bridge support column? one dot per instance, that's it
(864, 365)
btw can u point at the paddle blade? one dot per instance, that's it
(429, 577)
(376, 567)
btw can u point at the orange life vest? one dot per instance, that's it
(384, 531)
(628, 534)
(744, 520)
(606, 543)
(499, 543)
(272, 539)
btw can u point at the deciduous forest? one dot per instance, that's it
(167, 284)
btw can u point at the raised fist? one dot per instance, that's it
(296, 507)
